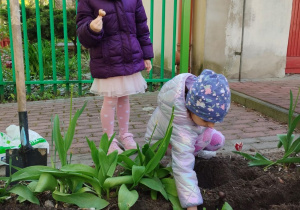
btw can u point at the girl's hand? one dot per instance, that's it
(148, 65)
(97, 24)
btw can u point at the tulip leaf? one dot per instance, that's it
(126, 160)
(293, 148)
(140, 155)
(126, 198)
(103, 160)
(112, 159)
(226, 206)
(245, 155)
(149, 154)
(104, 143)
(283, 141)
(59, 142)
(160, 152)
(261, 157)
(25, 193)
(94, 153)
(137, 173)
(30, 173)
(83, 200)
(79, 168)
(163, 172)
(259, 162)
(155, 184)
(297, 149)
(117, 181)
(175, 202)
(32, 185)
(289, 160)
(46, 182)
(170, 186)
(71, 129)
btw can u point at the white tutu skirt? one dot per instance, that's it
(119, 86)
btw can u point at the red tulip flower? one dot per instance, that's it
(238, 146)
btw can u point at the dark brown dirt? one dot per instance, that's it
(221, 179)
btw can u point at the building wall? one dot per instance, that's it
(267, 29)
(198, 36)
(266, 32)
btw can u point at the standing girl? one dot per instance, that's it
(120, 48)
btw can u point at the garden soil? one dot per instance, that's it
(221, 179)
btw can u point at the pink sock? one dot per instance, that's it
(123, 113)
(107, 114)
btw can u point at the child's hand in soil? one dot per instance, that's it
(192, 208)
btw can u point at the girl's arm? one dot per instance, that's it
(142, 31)
(183, 161)
(85, 15)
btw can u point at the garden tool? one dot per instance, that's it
(26, 155)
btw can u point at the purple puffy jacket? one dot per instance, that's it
(123, 44)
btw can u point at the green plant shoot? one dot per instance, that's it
(291, 147)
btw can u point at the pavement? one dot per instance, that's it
(258, 113)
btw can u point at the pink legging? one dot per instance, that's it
(107, 114)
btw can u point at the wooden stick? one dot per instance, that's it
(18, 52)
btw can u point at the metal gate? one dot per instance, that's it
(293, 51)
(62, 77)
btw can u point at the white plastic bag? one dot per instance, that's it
(11, 140)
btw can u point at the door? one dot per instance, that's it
(293, 51)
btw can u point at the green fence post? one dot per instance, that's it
(11, 48)
(1, 81)
(24, 23)
(174, 38)
(79, 61)
(151, 37)
(51, 3)
(163, 29)
(66, 47)
(185, 36)
(39, 40)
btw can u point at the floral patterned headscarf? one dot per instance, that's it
(209, 96)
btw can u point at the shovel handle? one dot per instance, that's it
(18, 52)
(20, 76)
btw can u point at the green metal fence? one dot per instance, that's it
(65, 79)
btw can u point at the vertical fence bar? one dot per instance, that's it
(151, 37)
(66, 46)
(11, 47)
(185, 36)
(25, 37)
(39, 39)
(53, 45)
(163, 29)
(174, 38)
(1, 80)
(79, 61)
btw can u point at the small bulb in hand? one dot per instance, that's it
(102, 12)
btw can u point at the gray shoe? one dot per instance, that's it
(206, 154)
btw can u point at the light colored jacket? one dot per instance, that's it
(183, 139)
